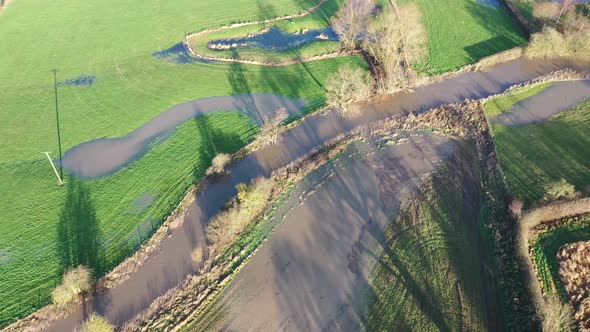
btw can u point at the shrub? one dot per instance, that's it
(547, 44)
(557, 317)
(97, 323)
(559, 190)
(248, 204)
(348, 85)
(75, 282)
(218, 164)
(197, 255)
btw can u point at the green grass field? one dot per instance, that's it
(462, 32)
(544, 250)
(113, 41)
(431, 275)
(556, 149)
(129, 206)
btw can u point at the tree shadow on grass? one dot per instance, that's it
(78, 229)
(505, 30)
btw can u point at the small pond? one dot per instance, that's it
(274, 39)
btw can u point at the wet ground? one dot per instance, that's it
(275, 39)
(172, 263)
(104, 156)
(560, 97)
(313, 272)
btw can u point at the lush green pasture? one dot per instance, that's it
(555, 149)
(461, 32)
(114, 41)
(544, 250)
(430, 276)
(128, 205)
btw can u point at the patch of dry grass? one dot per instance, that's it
(248, 204)
(97, 323)
(218, 164)
(75, 282)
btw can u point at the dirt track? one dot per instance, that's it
(172, 263)
(313, 272)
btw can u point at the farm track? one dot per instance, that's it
(172, 263)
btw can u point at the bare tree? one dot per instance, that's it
(352, 20)
(348, 85)
(547, 10)
(396, 40)
(270, 131)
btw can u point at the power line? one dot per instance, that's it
(61, 174)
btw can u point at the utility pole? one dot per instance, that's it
(61, 172)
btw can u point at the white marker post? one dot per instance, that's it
(54, 169)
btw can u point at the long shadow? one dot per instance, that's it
(238, 80)
(484, 17)
(77, 230)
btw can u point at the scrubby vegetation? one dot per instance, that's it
(248, 204)
(75, 282)
(559, 190)
(97, 323)
(218, 164)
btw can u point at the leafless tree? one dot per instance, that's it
(396, 40)
(352, 20)
(348, 85)
(270, 131)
